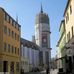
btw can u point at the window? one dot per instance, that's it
(11, 20)
(15, 49)
(68, 36)
(12, 34)
(67, 17)
(72, 30)
(18, 38)
(12, 67)
(5, 16)
(14, 23)
(15, 36)
(18, 50)
(41, 57)
(70, 9)
(9, 32)
(8, 47)
(8, 18)
(26, 63)
(5, 29)
(12, 49)
(5, 46)
(17, 66)
(18, 28)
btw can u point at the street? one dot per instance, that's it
(55, 71)
(36, 73)
(43, 72)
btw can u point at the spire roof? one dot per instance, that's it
(42, 17)
(41, 9)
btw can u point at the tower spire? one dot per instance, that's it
(41, 8)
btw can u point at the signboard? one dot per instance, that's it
(69, 52)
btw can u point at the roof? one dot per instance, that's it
(63, 21)
(68, 2)
(10, 16)
(42, 18)
(29, 44)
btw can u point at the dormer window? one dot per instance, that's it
(67, 17)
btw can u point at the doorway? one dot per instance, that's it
(5, 66)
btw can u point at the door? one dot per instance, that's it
(5, 66)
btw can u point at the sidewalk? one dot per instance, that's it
(53, 71)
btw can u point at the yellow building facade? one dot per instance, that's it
(9, 44)
(69, 19)
(66, 42)
(69, 24)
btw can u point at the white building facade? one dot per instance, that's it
(29, 55)
(24, 59)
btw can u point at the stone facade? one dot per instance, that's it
(9, 43)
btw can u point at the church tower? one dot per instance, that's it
(42, 37)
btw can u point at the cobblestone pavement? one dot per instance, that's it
(55, 71)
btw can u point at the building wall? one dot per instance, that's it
(9, 54)
(24, 59)
(29, 55)
(61, 51)
(42, 33)
(38, 34)
(25, 65)
(36, 58)
(70, 21)
(1, 38)
(40, 29)
(1, 28)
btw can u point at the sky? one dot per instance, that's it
(26, 11)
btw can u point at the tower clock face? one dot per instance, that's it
(44, 40)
